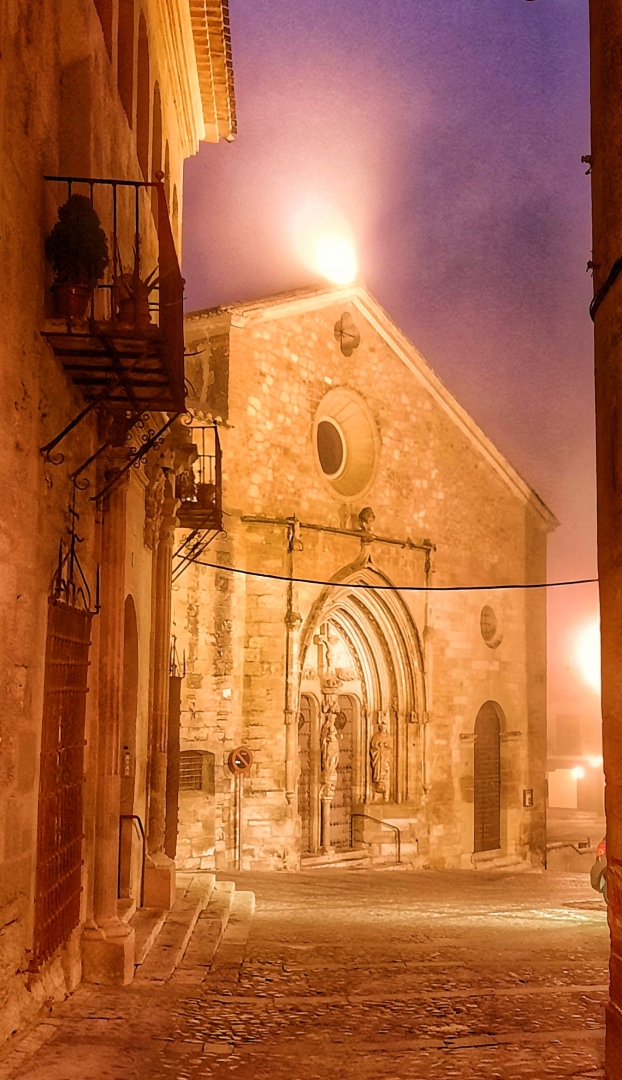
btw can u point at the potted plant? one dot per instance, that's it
(132, 299)
(78, 251)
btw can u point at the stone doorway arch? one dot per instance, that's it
(361, 674)
(487, 779)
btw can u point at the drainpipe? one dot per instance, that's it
(427, 665)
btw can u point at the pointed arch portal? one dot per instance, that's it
(362, 669)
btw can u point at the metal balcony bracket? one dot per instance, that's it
(150, 440)
(99, 400)
(69, 583)
(192, 548)
(81, 482)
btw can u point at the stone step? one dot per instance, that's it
(229, 956)
(169, 943)
(337, 859)
(147, 923)
(207, 935)
(484, 861)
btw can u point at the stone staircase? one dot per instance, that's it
(181, 945)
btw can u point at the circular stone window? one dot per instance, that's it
(489, 627)
(331, 448)
(345, 442)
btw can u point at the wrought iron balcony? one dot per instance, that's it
(126, 346)
(199, 488)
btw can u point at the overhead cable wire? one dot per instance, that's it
(393, 588)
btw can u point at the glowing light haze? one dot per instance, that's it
(335, 258)
(325, 242)
(587, 654)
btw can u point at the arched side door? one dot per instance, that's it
(487, 780)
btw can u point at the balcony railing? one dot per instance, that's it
(127, 346)
(199, 488)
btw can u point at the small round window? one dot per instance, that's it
(489, 627)
(331, 448)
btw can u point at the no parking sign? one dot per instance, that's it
(240, 760)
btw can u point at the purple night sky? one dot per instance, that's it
(449, 133)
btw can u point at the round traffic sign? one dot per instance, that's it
(240, 760)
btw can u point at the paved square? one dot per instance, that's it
(359, 974)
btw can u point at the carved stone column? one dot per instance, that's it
(293, 621)
(108, 943)
(292, 625)
(329, 755)
(160, 868)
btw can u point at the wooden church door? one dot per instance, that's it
(487, 780)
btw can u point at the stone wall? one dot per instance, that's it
(62, 115)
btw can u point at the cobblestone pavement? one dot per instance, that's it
(358, 974)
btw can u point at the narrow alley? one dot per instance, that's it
(395, 976)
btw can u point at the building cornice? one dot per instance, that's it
(212, 44)
(194, 43)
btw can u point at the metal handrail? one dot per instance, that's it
(133, 817)
(388, 825)
(582, 847)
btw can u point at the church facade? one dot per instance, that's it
(389, 712)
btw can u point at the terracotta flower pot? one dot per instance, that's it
(72, 301)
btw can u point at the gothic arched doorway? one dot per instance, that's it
(361, 692)
(487, 779)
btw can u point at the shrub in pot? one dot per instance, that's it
(77, 248)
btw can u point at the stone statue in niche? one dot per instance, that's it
(381, 757)
(329, 747)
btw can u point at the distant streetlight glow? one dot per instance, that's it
(578, 772)
(325, 240)
(587, 654)
(334, 257)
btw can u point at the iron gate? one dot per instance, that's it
(59, 839)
